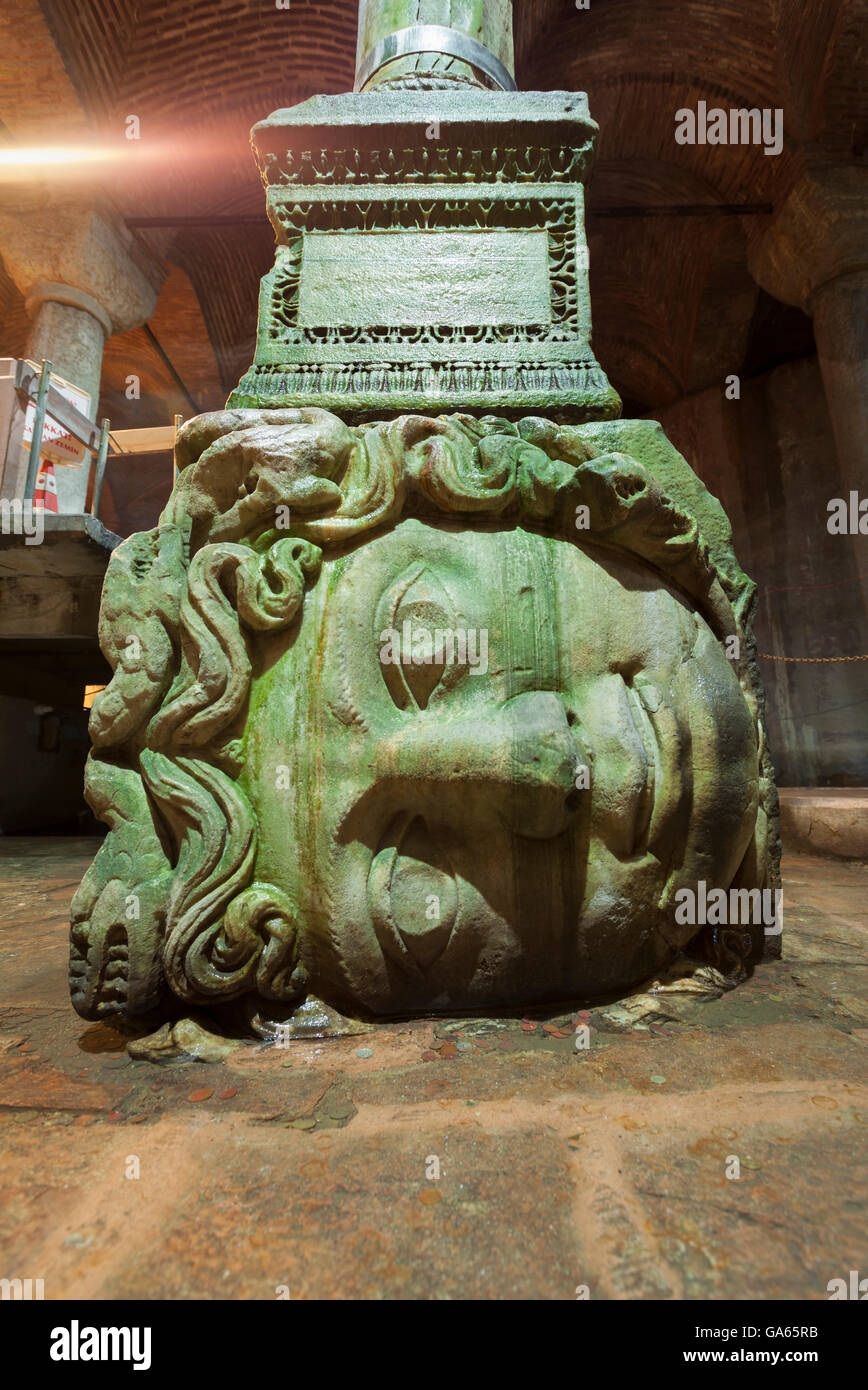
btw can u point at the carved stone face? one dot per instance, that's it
(507, 821)
(423, 714)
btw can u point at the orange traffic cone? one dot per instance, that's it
(45, 489)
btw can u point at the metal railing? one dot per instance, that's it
(35, 385)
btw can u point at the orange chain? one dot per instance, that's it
(767, 656)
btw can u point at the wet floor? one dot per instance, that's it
(719, 1153)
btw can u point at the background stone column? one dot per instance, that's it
(83, 277)
(815, 256)
(69, 328)
(840, 311)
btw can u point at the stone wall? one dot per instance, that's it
(43, 748)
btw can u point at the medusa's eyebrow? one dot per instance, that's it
(343, 703)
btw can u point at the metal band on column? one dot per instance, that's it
(434, 38)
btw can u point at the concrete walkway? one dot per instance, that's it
(826, 820)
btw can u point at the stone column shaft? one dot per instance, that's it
(815, 255)
(489, 22)
(840, 310)
(69, 330)
(71, 336)
(83, 278)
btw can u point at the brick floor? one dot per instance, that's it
(306, 1166)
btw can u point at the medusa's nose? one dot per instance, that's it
(516, 765)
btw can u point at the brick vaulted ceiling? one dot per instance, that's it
(673, 304)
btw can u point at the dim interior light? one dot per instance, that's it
(90, 693)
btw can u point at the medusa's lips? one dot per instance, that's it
(413, 894)
(664, 790)
(634, 746)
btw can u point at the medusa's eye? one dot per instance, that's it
(415, 633)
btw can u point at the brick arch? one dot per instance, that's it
(199, 75)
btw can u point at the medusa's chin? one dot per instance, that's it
(455, 836)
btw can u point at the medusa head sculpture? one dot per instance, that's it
(430, 714)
